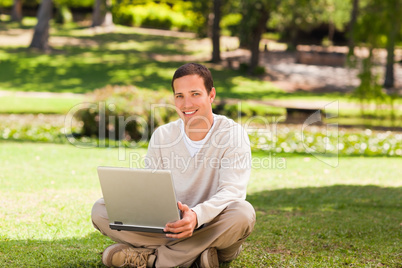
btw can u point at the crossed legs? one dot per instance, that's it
(226, 233)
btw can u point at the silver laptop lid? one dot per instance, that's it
(138, 199)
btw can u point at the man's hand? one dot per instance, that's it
(185, 226)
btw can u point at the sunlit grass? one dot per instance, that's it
(35, 105)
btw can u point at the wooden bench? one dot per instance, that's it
(294, 113)
(319, 56)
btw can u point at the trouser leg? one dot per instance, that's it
(100, 220)
(226, 233)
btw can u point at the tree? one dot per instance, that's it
(335, 13)
(291, 16)
(352, 23)
(216, 55)
(63, 13)
(41, 34)
(256, 14)
(256, 33)
(379, 26)
(394, 11)
(201, 9)
(101, 15)
(16, 12)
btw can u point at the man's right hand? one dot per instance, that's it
(184, 227)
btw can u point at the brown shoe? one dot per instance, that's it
(209, 258)
(122, 255)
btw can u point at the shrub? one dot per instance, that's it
(231, 23)
(125, 112)
(153, 15)
(290, 139)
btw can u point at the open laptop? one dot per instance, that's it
(138, 199)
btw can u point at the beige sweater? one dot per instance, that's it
(216, 176)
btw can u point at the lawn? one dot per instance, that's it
(37, 104)
(308, 214)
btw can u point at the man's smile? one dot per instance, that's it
(190, 112)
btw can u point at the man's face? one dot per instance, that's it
(193, 103)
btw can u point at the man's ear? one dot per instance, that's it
(212, 95)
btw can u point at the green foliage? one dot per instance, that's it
(38, 128)
(244, 68)
(63, 15)
(154, 15)
(202, 9)
(69, 3)
(377, 20)
(335, 12)
(6, 3)
(269, 139)
(125, 112)
(369, 89)
(74, 3)
(231, 23)
(294, 15)
(251, 12)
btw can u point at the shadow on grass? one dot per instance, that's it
(82, 69)
(115, 58)
(336, 197)
(72, 252)
(331, 226)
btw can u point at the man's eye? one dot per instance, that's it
(178, 96)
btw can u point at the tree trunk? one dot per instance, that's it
(331, 32)
(101, 15)
(16, 13)
(256, 34)
(352, 23)
(389, 70)
(41, 34)
(293, 35)
(216, 53)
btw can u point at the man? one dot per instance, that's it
(209, 158)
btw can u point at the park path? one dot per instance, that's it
(283, 70)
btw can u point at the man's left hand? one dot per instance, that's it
(184, 227)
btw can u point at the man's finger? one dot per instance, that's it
(180, 235)
(182, 207)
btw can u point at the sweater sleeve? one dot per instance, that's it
(234, 173)
(153, 159)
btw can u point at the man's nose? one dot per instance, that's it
(187, 102)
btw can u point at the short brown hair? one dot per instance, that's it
(198, 69)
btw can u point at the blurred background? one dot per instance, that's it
(280, 61)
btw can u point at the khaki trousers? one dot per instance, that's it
(226, 233)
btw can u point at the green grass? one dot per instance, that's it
(308, 214)
(122, 57)
(35, 105)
